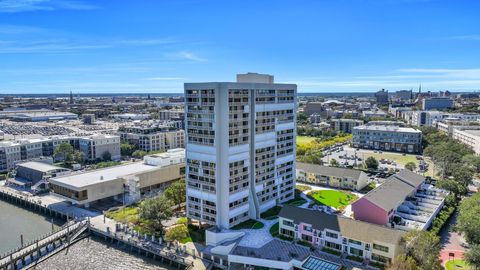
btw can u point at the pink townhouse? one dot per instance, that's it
(380, 205)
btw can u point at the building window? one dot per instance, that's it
(331, 235)
(380, 247)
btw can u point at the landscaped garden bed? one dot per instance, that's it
(249, 224)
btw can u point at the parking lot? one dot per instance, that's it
(348, 156)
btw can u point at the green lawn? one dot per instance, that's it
(305, 139)
(125, 215)
(249, 224)
(274, 229)
(457, 265)
(334, 198)
(195, 234)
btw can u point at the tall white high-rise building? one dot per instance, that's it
(240, 140)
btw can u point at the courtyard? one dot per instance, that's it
(337, 199)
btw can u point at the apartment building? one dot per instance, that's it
(348, 236)
(331, 176)
(469, 137)
(93, 147)
(381, 97)
(171, 114)
(431, 118)
(153, 138)
(437, 103)
(404, 201)
(448, 126)
(388, 138)
(240, 148)
(346, 125)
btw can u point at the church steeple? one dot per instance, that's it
(71, 97)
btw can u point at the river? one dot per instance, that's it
(85, 254)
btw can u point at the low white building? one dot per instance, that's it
(468, 137)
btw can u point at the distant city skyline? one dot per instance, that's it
(54, 46)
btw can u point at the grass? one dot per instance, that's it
(271, 213)
(332, 251)
(274, 229)
(302, 188)
(274, 232)
(457, 265)
(301, 140)
(195, 234)
(249, 224)
(106, 164)
(334, 198)
(125, 215)
(368, 187)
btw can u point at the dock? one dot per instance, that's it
(87, 223)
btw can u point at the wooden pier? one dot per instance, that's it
(33, 251)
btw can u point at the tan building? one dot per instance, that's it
(331, 176)
(124, 183)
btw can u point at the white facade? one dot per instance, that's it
(92, 147)
(240, 149)
(468, 137)
(430, 118)
(172, 156)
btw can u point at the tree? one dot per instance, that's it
(402, 262)
(176, 233)
(334, 162)
(127, 149)
(411, 166)
(424, 247)
(176, 192)
(463, 175)
(64, 152)
(139, 154)
(78, 156)
(472, 257)
(106, 156)
(472, 161)
(156, 211)
(453, 186)
(371, 163)
(468, 221)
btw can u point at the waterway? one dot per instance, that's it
(16, 221)
(85, 254)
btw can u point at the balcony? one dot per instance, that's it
(418, 211)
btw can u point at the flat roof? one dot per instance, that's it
(388, 128)
(93, 177)
(40, 166)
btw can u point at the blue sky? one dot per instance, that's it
(154, 46)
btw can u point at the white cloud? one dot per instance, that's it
(14, 6)
(467, 37)
(189, 56)
(407, 78)
(473, 73)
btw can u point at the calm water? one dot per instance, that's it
(15, 221)
(85, 254)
